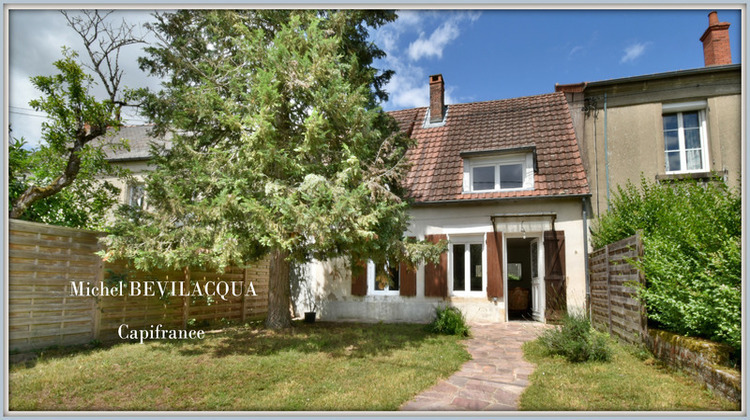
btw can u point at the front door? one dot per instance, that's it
(537, 284)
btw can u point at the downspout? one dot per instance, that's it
(606, 151)
(586, 253)
(596, 160)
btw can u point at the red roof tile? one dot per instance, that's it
(542, 121)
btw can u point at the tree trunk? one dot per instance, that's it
(35, 193)
(279, 300)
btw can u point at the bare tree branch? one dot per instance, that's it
(103, 42)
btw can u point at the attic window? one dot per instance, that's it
(503, 172)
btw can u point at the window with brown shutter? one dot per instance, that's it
(359, 279)
(408, 280)
(436, 275)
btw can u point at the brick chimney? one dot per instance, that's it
(437, 98)
(715, 40)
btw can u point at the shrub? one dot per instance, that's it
(575, 340)
(449, 321)
(692, 254)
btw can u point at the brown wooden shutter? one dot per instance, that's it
(359, 279)
(436, 275)
(408, 279)
(554, 273)
(495, 265)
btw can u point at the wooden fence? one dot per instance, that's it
(44, 260)
(613, 306)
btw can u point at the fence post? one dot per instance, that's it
(95, 305)
(642, 282)
(186, 299)
(609, 294)
(243, 314)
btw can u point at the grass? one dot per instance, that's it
(311, 367)
(630, 382)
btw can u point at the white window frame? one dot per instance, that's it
(131, 188)
(525, 160)
(678, 109)
(371, 282)
(467, 240)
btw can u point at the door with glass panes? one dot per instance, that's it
(467, 268)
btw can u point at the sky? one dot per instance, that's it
(482, 54)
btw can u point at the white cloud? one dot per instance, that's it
(387, 37)
(634, 51)
(448, 31)
(575, 50)
(409, 86)
(434, 45)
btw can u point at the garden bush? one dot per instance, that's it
(449, 321)
(575, 340)
(692, 254)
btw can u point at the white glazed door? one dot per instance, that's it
(537, 284)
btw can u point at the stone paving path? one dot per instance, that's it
(493, 379)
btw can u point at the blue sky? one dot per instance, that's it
(482, 54)
(497, 54)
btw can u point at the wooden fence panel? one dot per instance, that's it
(612, 277)
(42, 312)
(43, 260)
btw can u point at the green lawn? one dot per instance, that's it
(312, 367)
(627, 383)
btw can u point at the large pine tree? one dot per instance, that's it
(279, 146)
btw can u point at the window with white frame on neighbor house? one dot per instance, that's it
(685, 145)
(137, 195)
(499, 173)
(467, 267)
(383, 278)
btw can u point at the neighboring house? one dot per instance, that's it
(136, 160)
(674, 125)
(503, 182)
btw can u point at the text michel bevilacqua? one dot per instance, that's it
(153, 288)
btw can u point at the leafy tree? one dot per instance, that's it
(692, 259)
(279, 148)
(82, 204)
(57, 183)
(39, 178)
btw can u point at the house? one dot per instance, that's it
(666, 126)
(136, 160)
(504, 183)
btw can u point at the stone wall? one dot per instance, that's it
(703, 359)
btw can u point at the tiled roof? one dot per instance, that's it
(541, 121)
(436, 174)
(139, 141)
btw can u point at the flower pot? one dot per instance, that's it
(310, 317)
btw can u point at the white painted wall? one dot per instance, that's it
(330, 281)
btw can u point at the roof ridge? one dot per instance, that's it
(487, 101)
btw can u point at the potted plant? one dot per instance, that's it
(312, 304)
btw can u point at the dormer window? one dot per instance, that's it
(498, 172)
